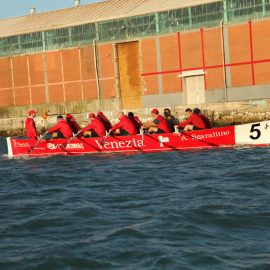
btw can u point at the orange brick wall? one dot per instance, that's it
(6, 90)
(213, 57)
(239, 44)
(169, 51)
(261, 45)
(70, 73)
(149, 64)
(106, 65)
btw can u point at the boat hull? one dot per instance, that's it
(250, 134)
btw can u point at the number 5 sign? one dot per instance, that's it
(255, 133)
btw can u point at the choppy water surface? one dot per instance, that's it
(188, 210)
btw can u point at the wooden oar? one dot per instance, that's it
(38, 141)
(104, 140)
(70, 139)
(142, 133)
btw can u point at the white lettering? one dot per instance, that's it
(107, 145)
(21, 144)
(114, 145)
(122, 144)
(183, 138)
(98, 144)
(210, 135)
(140, 143)
(128, 144)
(75, 146)
(51, 146)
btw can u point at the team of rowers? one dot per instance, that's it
(128, 124)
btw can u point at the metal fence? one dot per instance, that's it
(206, 15)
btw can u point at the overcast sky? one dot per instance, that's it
(15, 8)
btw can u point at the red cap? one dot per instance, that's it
(69, 116)
(92, 115)
(155, 111)
(32, 112)
(100, 114)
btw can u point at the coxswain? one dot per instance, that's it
(105, 121)
(125, 126)
(158, 124)
(72, 123)
(30, 126)
(61, 129)
(136, 121)
(206, 120)
(193, 122)
(171, 120)
(95, 129)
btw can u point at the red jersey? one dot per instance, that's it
(126, 124)
(206, 120)
(97, 126)
(194, 120)
(136, 121)
(73, 125)
(30, 127)
(162, 124)
(63, 127)
(105, 122)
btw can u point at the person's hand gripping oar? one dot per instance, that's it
(38, 141)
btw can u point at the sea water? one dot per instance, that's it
(205, 209)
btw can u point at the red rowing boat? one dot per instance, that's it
(254, 134)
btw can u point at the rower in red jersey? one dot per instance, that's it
(30, 126)
(72, 123)
(135, 120)
(105, 121)
(193, 122)
(125, 126)
(61, 129)
(158, 124)
(206, 120)
(95, 129)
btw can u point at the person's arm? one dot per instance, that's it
(149, 124)
(183, 124)
(55, 128)
(117, 126)
(89, 127)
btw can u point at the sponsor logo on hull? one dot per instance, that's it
(210, 135)
(134, 143)
(21, 144)
(73, 146)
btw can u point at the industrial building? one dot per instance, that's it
(132, 54)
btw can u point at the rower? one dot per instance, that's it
(105, 121)
(125, 126)
(206, 120)
(171, 120)
(61, 129)
(72, 123)
(158, 124)
(193, 122)
(30, 126)
(136, 121)
(95, 129)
